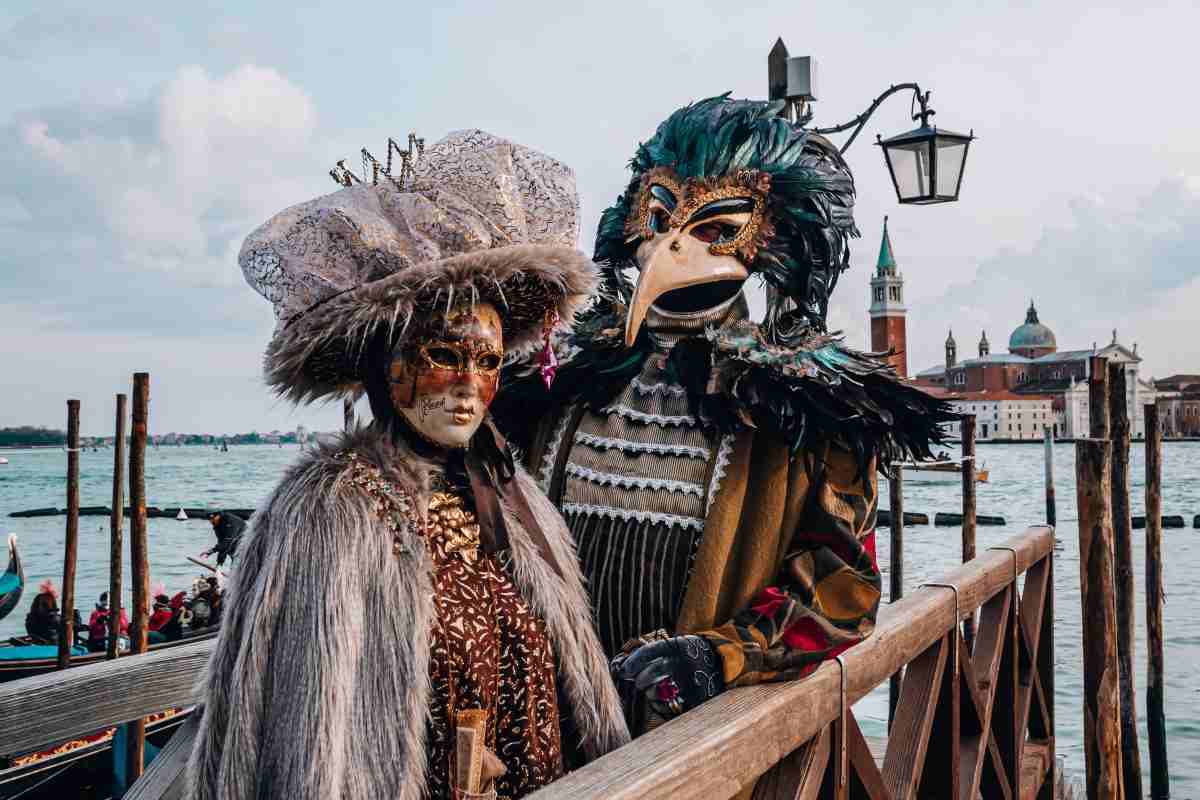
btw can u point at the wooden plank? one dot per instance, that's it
(1118, 412)
(942, 772)
(1101, 698)
(116, 691)
(1006, 725)
(1156, 723)
(908, 740)
(66, 625)
(713, 752)
(1045, 670)
(164, 778)
(1037, 765)
(800, 775)
(982, 669)
(866, 777)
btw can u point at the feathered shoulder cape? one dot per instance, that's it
(811, 391)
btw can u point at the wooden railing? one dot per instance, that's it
(968, 723)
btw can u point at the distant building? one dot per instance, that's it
(1178, 401)
(888, 314)
(1032, 372)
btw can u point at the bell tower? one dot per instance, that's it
(951, 351)
(888, 324)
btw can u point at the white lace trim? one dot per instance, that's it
(551, 454)
(654, 419)
(626, 515)
(624, 445)
(633, 481)
(645, 389)
(724, 452)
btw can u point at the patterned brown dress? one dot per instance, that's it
(488, 650)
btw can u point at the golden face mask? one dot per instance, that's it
(727, 213)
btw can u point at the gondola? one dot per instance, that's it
(20, 658)
(79, 767)
(12, 582)
(944, 466)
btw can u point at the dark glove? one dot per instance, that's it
(674, 675)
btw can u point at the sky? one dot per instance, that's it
(141, 142)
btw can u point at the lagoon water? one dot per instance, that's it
(202, 477)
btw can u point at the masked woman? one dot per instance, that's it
(409, 619)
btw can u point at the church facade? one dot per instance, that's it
(1014, 390)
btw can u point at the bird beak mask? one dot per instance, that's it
(693, 232)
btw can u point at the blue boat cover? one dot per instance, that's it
(33, 652)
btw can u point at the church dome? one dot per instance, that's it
(1032, 335)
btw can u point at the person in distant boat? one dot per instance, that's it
(160, 616)
(98, 624)
(181, 616)
(228, 528)
(408, 600)
(43, 619)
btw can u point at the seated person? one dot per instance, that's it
(98, 624)
(43, 619)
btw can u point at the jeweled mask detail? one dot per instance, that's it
(715, 209)
(443, 381)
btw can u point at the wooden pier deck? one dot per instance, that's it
(970, 722)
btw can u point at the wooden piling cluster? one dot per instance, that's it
(968, 510)
(139, 619)
(66, 631)
(116, 531)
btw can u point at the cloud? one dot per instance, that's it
(1125, 262)
(53, 29)
(155, 194)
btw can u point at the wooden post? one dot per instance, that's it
(116, 524)
(1098, 398)
(896, 568)
(968, 512)
(139, 616)
(1118, 431)
(1051, 507)
(1101, 696)
(348, 414)
(1160, 788)
(66, 627)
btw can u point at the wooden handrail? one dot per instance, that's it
(707, 754)
(718, 749)
(62, 705)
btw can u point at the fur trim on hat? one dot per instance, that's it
(320, 353)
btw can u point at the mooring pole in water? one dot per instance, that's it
(1051, 509)
(1156, 724)
(139, 616)
(968, 512)
(896, 567)
(1118, 431)
(1098, 601)
(116, 523)
(1098, 398)
(66, 626)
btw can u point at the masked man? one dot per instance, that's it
(718, 474)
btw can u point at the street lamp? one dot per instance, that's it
(926, 164)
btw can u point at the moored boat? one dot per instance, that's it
(12, 582)
(944, 466)
(20, 658)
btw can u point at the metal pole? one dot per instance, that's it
(896, 567)
(1118, 430)
(1051, 509)
(66, 625)
(139, 565)
(968, 512)
(116, 524)
(1156, 725)
(1098, 601)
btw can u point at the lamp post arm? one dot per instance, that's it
(861, 120)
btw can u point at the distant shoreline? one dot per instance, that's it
(1072, 441)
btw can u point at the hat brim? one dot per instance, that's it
(319, 354)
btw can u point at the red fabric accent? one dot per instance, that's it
(159, 618)
(768, 601)
(806, 635)
(868, 543)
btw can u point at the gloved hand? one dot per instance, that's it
(675, 674)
